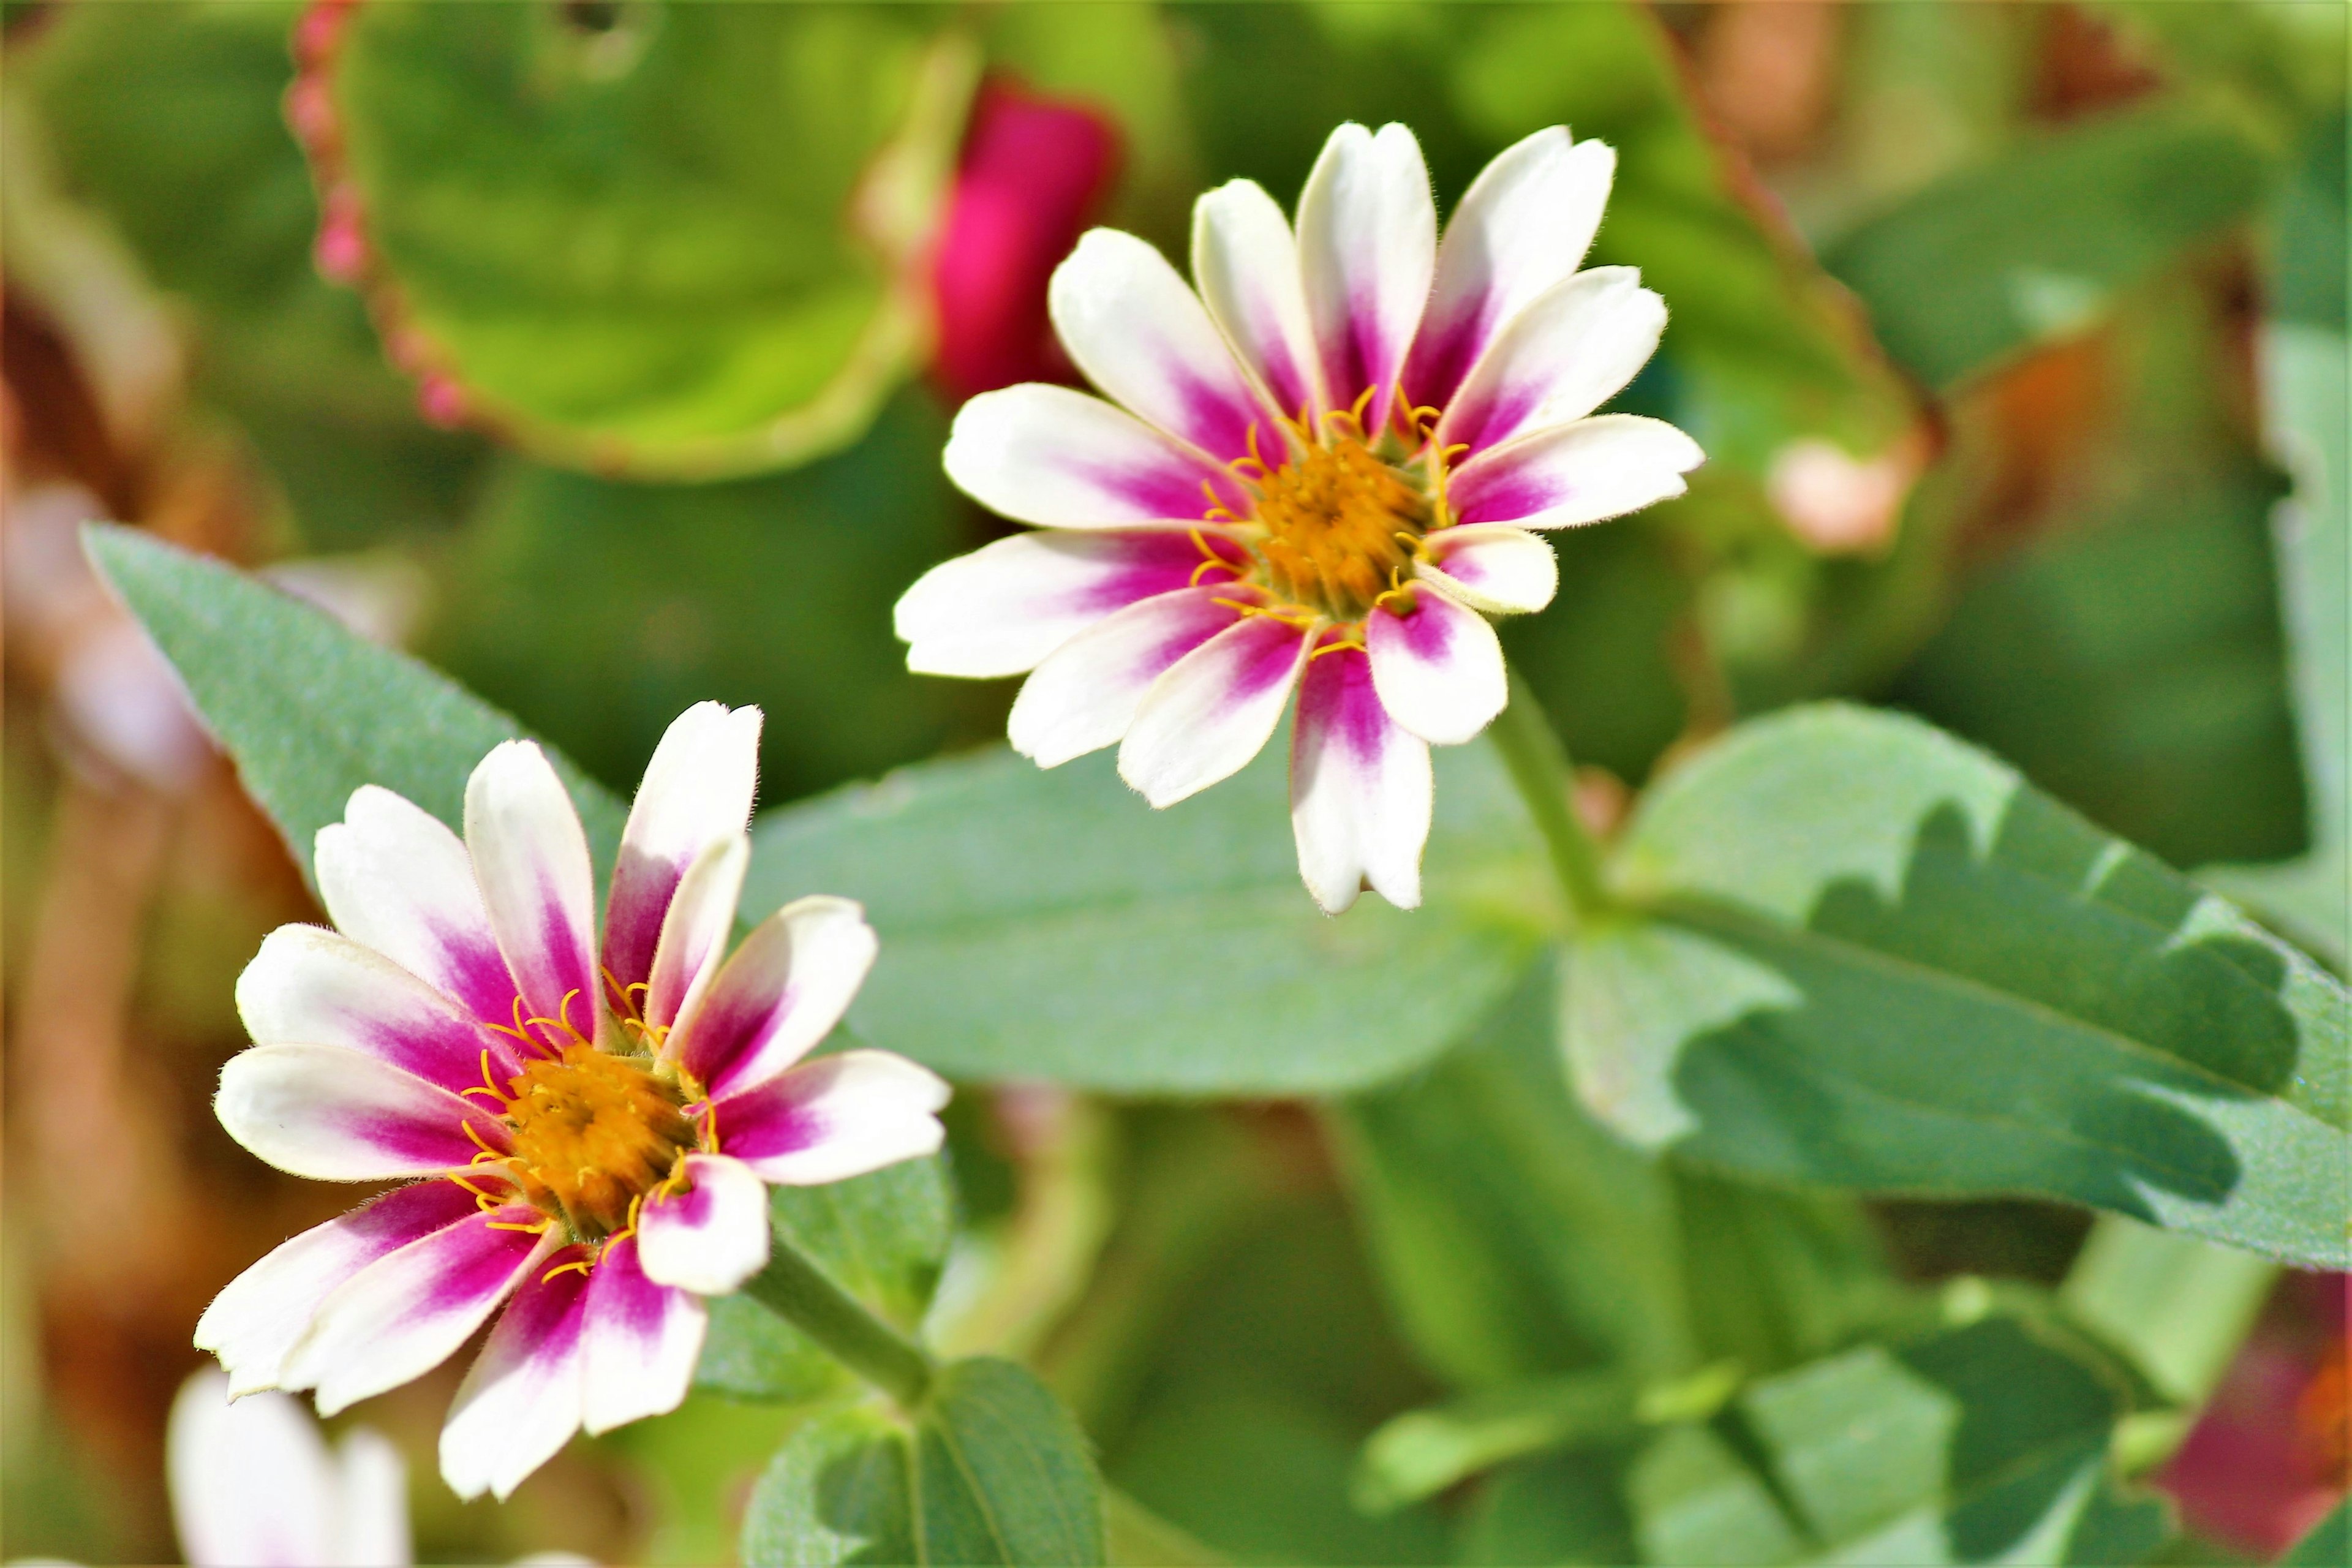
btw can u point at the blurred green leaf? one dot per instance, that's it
(2134, 668)
(1516, 1237)
(2326, 1546)
(2305, 361)
(309, 711)
(2175, 1306)
(1048, 925)
(653, 239)
(169, 119)
(991, 1471)
(1559, 1510)
(2034, 243)
(1987, 1443)
(1878, 959)
(883, 1238)
(603, 609)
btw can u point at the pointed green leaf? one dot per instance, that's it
(308, 710)
(1050, 925)
(1875, 958)
(991, 1471)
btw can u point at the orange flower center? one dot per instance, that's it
(1340, 526)
(593, 1132)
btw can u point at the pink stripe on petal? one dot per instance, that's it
(1209, 713)
(1368, 250)
(524, 1396)
(1360, 788)
(1570, 350)
(1085, 696)
(697, 789)
(834, 1118)
(260, 1315)
(312, 986)
(641, 1341)
(1245, 261)
(410, 1310)
(1059, 458)
(1439, 671)
(394, 879)
(1581, 472)
(335, 1115)
(531, 857)
(780, 994)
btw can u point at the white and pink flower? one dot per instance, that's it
(1318, 473)
(591, 1140)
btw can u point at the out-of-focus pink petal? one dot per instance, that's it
(251, 1483)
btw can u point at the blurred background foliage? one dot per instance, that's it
(601, 352)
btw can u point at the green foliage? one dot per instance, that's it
(683, 242)
(774, 591)
(2328, 1545)
(309, 711)
(1880, 960)
(169, 119)
(882, 1237)
(990, 1471)
(2034, 243)
(1085, 939)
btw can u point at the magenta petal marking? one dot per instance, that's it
(765, 1121)
(643, 887)
(475, 972)
(620, 1296)
(560, 968)
(1505, 492)
(1443, 354)
(1216, 423)
(440, 1050)
(401, 1216)
(413, 1143)
(1426, 634)
(1337, 705)
(1269, 659)
(1166, 492)
(475, 1262)
(544, 1322)
(1154, 563)
(733, 1025)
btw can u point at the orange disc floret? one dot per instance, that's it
(592, 1133)
(1340, 524)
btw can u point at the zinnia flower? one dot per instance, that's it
(1318, 473)
(595, 1139)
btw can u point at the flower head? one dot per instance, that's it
(1316, 474)
(591, 1125)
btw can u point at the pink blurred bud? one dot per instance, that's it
(341, 251)
(441, 400)
(1838, 504)
(319, 30)
(1032, 173)
(310, 111)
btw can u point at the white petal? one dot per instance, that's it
(1212, 711)
(1060, 458)
(1247, 263)
(250, 1483)
(334, 1115)
(1085, 697)
(260, 1315)
(782, 992)
(643, 1338)
(1499, 570)
(312, 986)
(1360, 788)
(1005, 606)
(834, 1118)
(395, 879)
(372, 1523)
(1525, 223)
(1366, 250)
(696, 791)
(1439, 671)
(525, 1394)
(1570, 350)
(710, 1237)
(408, 1312)
(1136, 331)
(531, 860)
(1564, 474)
(694, 933)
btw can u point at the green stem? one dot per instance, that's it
(801, 1293)
(1539, 764)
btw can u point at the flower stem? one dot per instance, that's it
(797, 1290)
(1539, 765)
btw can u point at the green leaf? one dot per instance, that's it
(676, 240)
(603, 609)
(1875, 958)
(1516, 1236)
(1561, 1509)
(992, 1470)
(309, 711)
(2327, 1546)
(1986, 1443)
(1049, 925)
(2175, 1306)
(2034, 243)
(883, 1238)
(169, 120)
